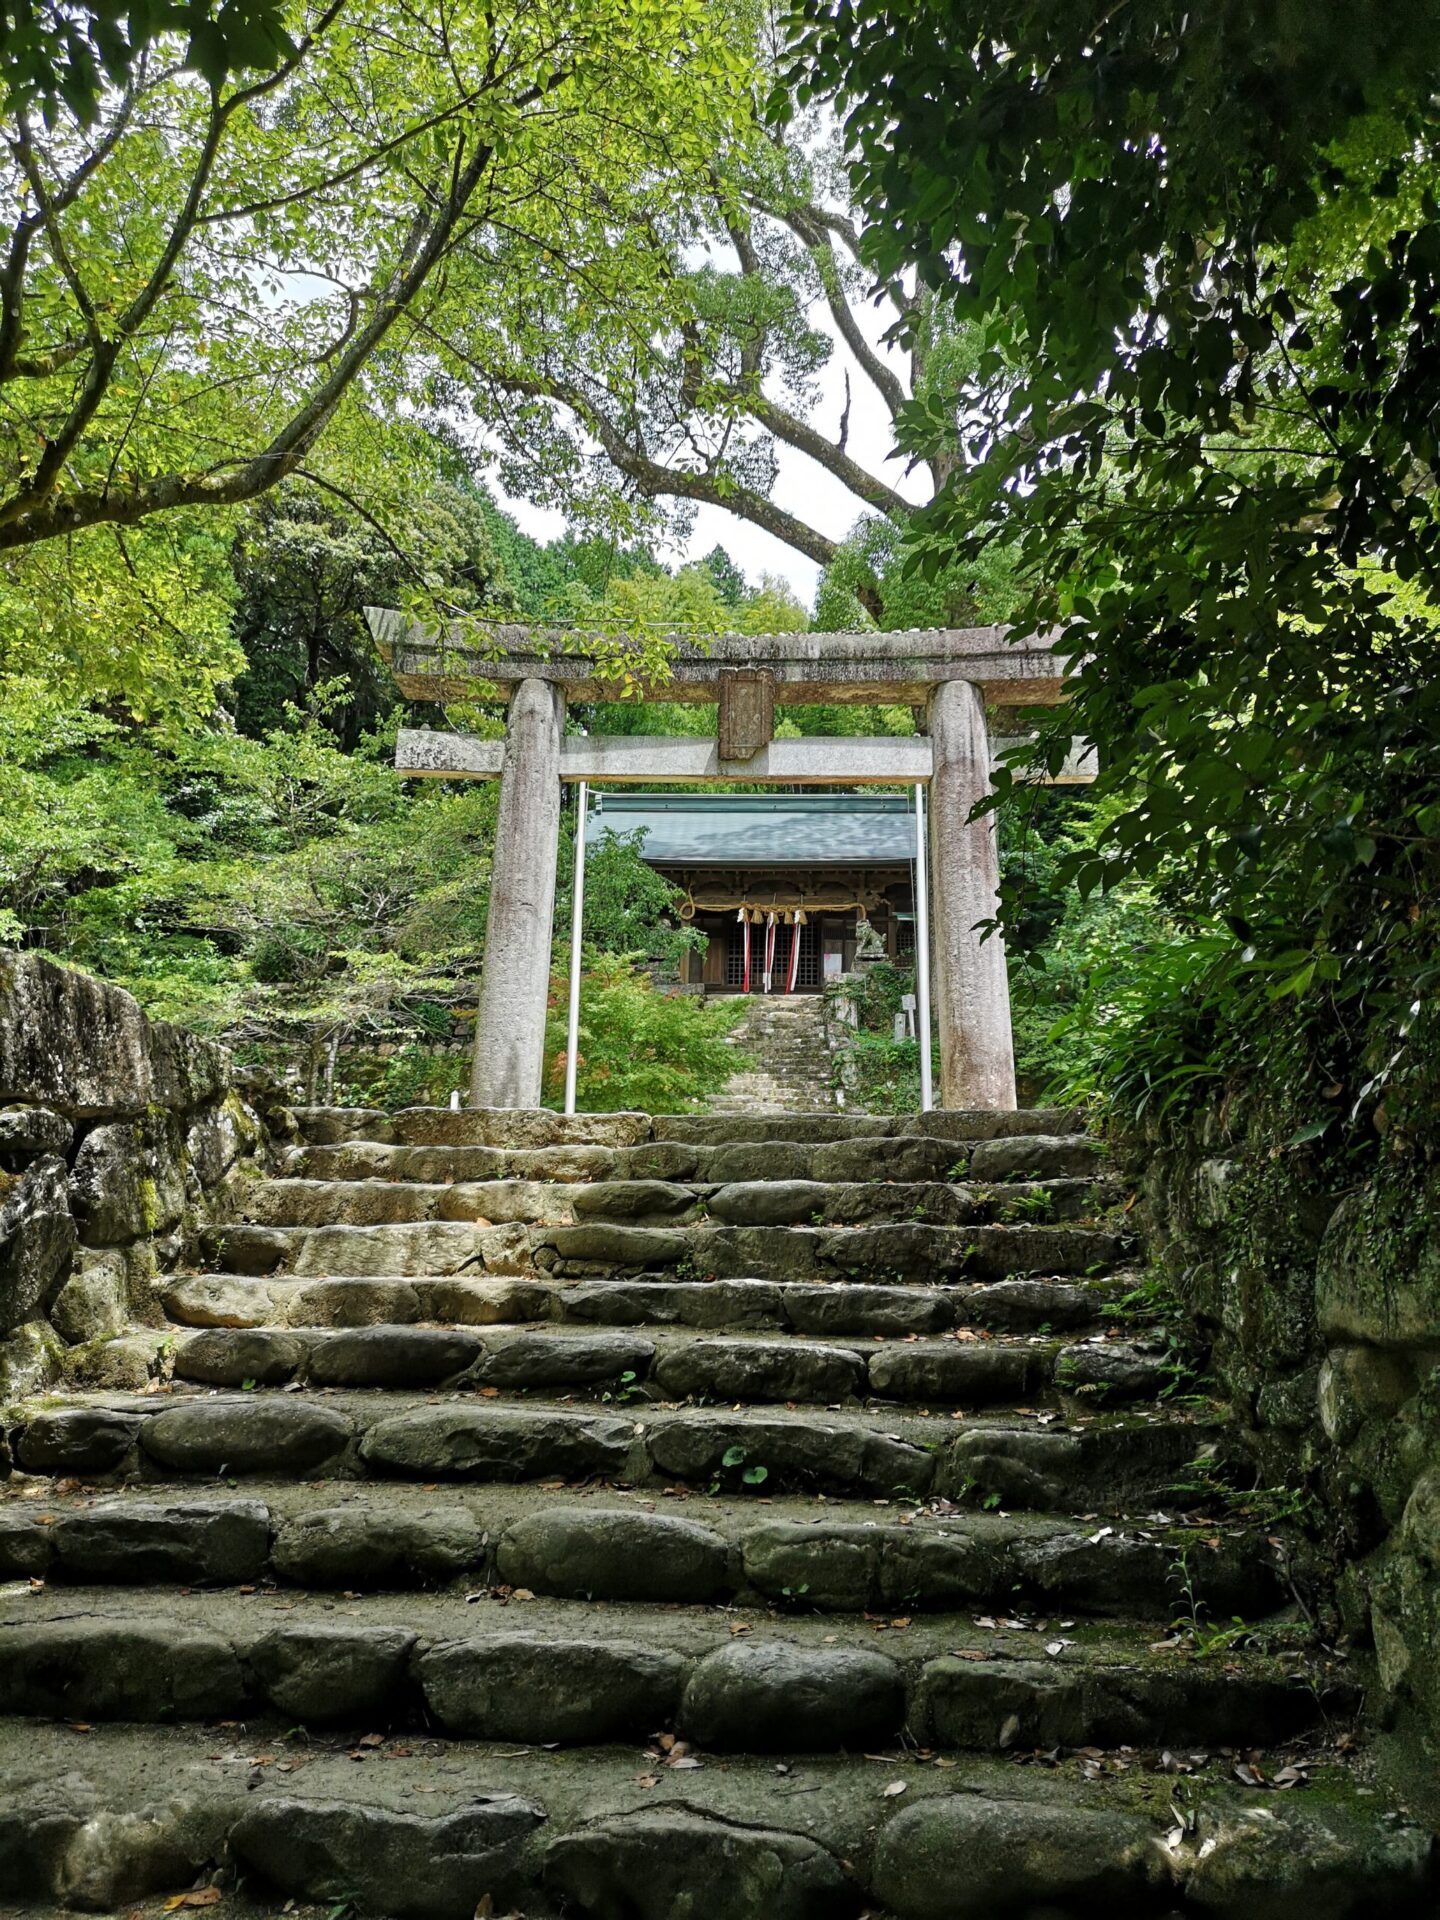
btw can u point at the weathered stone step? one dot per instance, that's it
(356, 1300)
(912, 1157)
(566, 1672)
(500, 1127)
(829, 1308)
(100, 1820)
(940, 1124)
(432, 1247)
(369, 1203)
(385, 1203)
(784, 1203)
(838, 1307)
(912, 1251)
(473, 1127)
(1048, 1464)
(830, 1557)
(379, 1160)
(669, 1366)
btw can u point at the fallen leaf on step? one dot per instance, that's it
(197, 1897)
(895, 1786)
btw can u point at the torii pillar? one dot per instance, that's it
(515, 978)
(971, 989)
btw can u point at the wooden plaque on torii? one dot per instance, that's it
(747, 713)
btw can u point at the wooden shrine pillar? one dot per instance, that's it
(971, 989)
(515, 979)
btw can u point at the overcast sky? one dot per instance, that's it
(802, 488)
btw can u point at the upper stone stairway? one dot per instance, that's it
(749, 1517)
(783, 1038)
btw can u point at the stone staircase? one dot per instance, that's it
(783, 1036)
(782, 1517)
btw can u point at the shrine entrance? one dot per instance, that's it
(957, 680)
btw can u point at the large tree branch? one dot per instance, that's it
(796, 433)
(106, 346)
(656, 481)
(808, 226)
(752, 351)
(425, 245)
(33, 515)
(12, 276)
(748, 396)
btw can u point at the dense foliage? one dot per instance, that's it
(1201, 252)
(230, 263)
(61, 55)
(639, 1048)
(267, 876)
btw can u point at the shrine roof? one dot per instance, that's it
(760, 829)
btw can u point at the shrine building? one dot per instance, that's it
(785, 879)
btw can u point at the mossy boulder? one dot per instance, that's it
(37, 1240)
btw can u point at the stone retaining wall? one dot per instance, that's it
(120, 1137)
(1317, 1291)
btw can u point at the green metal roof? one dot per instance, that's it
(760, 829)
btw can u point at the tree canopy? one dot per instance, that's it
(223, 280)
(1201, 251)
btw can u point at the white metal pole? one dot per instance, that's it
(577, 916)
(922, 951)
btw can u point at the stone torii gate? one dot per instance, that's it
(949, 676)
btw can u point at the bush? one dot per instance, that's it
(883, 1074)
(409, 1077)
(654, 1052)
(286, 956)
